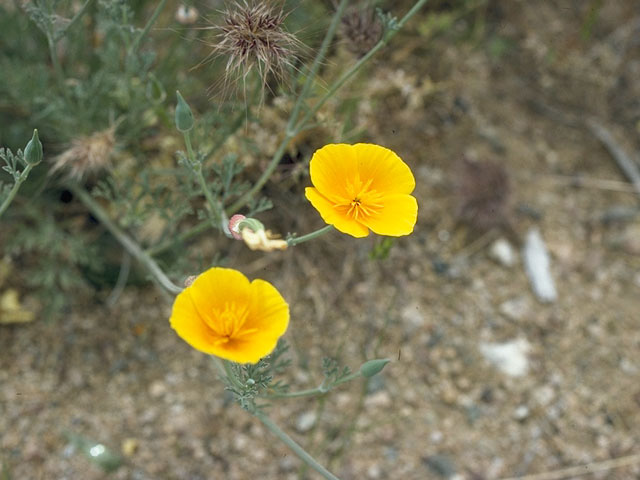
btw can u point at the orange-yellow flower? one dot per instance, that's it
(361, 187)
(223, 314)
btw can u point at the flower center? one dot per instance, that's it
(362, 201)
(227, 323)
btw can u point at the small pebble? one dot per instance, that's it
(157, 389)
(509, 357)
(306, 421)
(129, 446)
(503, 253)
(521, 412)
(538, 266)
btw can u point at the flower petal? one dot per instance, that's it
(186, 321)
(389, 174)
(331, 167)
(332, 216)
(217, 286)
(397, 217)
(268, 311)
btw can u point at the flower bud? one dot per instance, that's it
(234, 225)
(373, 367)
(184, 116)
(33, 150)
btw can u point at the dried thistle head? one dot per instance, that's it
(362, 29)
(482, 194)
(86, 155)
(253, 37)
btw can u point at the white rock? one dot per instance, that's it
(509, 357)
(537, 265)
(521, 412)
(502, 252)
(306, 421)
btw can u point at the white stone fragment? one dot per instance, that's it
(509, 357)
(537, 265)
(502, 252)
(306, 421)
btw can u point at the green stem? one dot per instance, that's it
(326, 42)
(127, 242)
(75, 18)
(181, 237)
(354, 69)
(311, 392)
(293, 241)
(147, 27)
(57, 68)
(292, 131)
(219, 219)
(297, 449)
(16, 186)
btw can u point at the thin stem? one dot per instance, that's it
(297, 449)
(127, 242)
(147, 27)
(309, 236)
(57, 68)
(354, 69)
(311, 392)
(16, 186)
(326, 42)
(181, 237)
(226, 365)
(75, 18)
(292, 131)
(219, 219)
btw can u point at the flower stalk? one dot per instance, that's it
(127, 242)
(16, 186)
(147, 27)
(293, 241)
(291, 443)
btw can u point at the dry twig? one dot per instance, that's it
(582, 469)
(626, 164)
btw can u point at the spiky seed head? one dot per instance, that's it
(253, 37)
(86, 155)
(362, 29)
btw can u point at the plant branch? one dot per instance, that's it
(219, 219)
(127, 242)
(147, 27)
(293, 241)
(291, 443)
(312, 392)
(354, 69)
(16, 186)
(75, 19)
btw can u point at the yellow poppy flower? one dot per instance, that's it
(361, 187)
(223, 314)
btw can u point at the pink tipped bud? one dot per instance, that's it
(234, 226)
